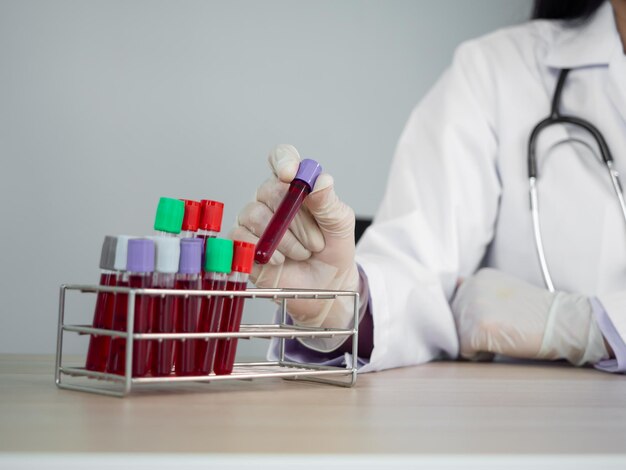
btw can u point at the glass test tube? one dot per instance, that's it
(164, 307)
(230, 321)
(210, 221)
(99, 345)
(140, 267)
(300, 187)
(120, 302)
(218, 262)
(167, 223)
(188, 308)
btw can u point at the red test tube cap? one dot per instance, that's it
(191, 219)
(243, 256)
(211, 215)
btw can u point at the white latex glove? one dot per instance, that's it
(499, 314)
(317, 252)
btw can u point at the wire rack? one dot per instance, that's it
(82, 379)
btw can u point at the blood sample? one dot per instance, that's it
(120, 303)
(217, 265)
(230, 321)
(300, 187)
(164, 307)
(191, 219)
(140, 266)
(99, 346)
(169, 216)
(188, 308)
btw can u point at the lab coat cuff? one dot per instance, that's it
(411, 317)
(322, 351)
(297, 352)
(325, 345)
(611, 335)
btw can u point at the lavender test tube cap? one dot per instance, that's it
(191, 255)
(140, 256)
(308, 171)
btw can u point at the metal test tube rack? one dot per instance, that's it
(122, 385)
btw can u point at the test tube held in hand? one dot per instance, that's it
(99, 345)
(230, 321)
(300, 187)
(188, 308)
(217, 266)
(164, 307)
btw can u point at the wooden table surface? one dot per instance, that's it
(446, 408)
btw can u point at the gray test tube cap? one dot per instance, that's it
(107, 256)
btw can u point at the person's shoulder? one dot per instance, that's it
(520, 44)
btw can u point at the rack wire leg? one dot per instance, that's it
(59, 354)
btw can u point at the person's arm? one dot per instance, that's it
(610, 314)
(434, 225)
(437, 217)
(365, 340)
(333, 351)
(496, 313)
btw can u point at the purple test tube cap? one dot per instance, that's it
(308, 171)
(191, 255)
(140, 255)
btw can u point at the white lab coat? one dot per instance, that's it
(457, 194)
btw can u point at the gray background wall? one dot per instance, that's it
(107, 105)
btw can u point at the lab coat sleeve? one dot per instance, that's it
(437, 216)
(335, 353)
(608, 311)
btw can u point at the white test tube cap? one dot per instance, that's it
(121, 252)
(167, 253)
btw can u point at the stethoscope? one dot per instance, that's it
(556, 118)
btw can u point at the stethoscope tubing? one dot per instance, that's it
(533, 174)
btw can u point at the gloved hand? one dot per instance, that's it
(498, 314)
(317, 252)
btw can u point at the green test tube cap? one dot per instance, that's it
(218, 255)
(169, 215)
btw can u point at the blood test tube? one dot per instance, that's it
(188, 308)
(140, 267)
(217, 265)
(164, 307)
(230, 320)
(120, 303)
(191, 219)
(300, 187)
(99, 345)
(169, 217)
